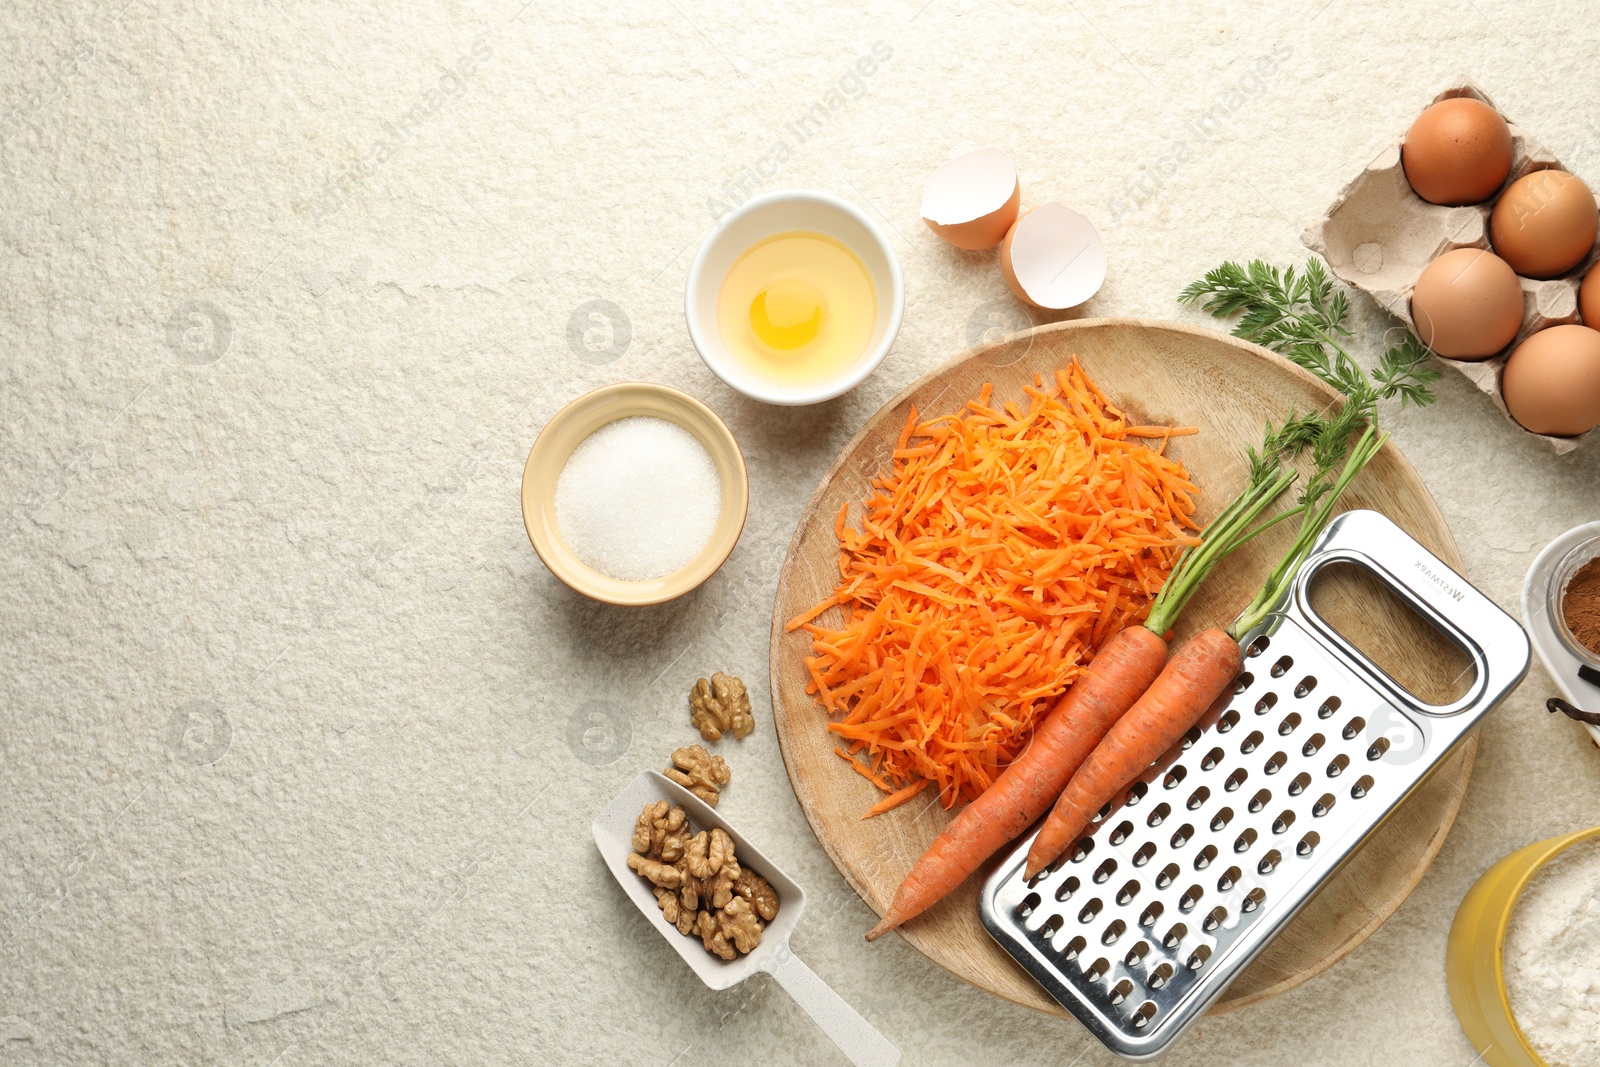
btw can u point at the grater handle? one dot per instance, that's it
(857, 1039)
(1492, 639)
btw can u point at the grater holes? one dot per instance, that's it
(1289, 723)
(1081, 853)
(1243, 682)
(1275, 763)
(1065, 890)
(1197, 958)
(1028, 905)
(1075, 946)
(1146, 851)
(1213, 758)
(1151, 914)
(1229, 720)
(1128, 892)
(1253, 900)
(1329, 706)
(1181, 838)
(1178, 932)
(1190, 738)
(1120, 991)
(1362, 787)
(1214, 918)
(1258, 646)
(1229, 879)
(1047, 871)
(1198, 798)
(1145, 1012)
(1313, 745)
(1308, 843)
(1260, 800)
(1222, 819)
(1167, 875)
(1269, 862)
(1090, 910)
(1251, 743)
(1104, 872)
(1336, 768)
(1174, 776)
(1159, 976)
(1050, 927)
(1120, 834)
(1105, 809)
(1353, 727)
(1159, 815)
(1114, 931)
(1283, 822)
(1378, 748)
(1299, 784)
(1243, 842)
(1236, 779)
(1203, 859)
(1267, 702)
(1186, 903)
(1097, 970)
(1280, 668)
(1307, 684)
(1136, 794)
(1323, 806)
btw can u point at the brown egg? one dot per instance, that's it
(1551, 383)
(1589, 299)
(1457, 152)
(1467, 304)
(1544, 223)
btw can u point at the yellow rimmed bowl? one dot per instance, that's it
(582, 417)
(1475, 956)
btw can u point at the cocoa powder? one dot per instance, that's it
(1580, 605)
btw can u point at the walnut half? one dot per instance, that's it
(699, 772)
(720, 704)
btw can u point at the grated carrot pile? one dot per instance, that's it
(1003, 546)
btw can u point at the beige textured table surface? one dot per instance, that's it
(300, 742)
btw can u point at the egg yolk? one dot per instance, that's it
(787, 314)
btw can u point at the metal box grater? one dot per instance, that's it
(1183, 880)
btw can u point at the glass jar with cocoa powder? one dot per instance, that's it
(1574, 601)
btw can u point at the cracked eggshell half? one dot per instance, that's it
(972, 200)
(1053, 258)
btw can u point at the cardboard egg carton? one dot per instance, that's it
(1378, 236)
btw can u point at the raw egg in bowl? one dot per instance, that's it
(794, 298)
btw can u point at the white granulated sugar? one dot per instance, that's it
(638, 499)
(1552, 959)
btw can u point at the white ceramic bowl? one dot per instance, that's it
(781, 212)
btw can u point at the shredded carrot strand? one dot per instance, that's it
(895, 799)
(1001, 547)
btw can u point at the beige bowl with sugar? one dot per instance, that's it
(568, 429)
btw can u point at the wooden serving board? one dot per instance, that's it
(1158, 372)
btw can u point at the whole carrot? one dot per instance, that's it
(1123, 668)
(1196, 675)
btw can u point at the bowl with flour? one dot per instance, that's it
(634, 494)
(1523, 959)
(1552, 959)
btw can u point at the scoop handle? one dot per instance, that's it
(856, 1037)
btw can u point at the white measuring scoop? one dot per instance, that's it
(613, 835)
